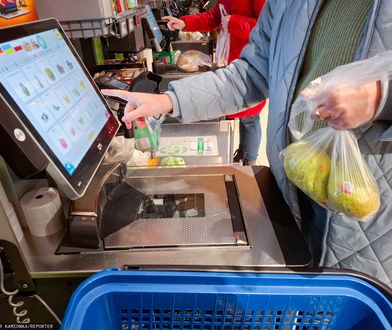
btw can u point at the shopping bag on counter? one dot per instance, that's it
(326, 164)
(120, 150)
(223, 43)
(192, 60)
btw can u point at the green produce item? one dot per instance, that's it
(308, 168)
(98, 51)
(24, 89)
(49, 73)
(352, 192)
(172, 161)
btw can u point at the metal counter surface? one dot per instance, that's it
(263, 251)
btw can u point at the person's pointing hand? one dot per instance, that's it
(141, 105)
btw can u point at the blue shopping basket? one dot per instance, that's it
(115, 299)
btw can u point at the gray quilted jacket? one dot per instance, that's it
(269, 68)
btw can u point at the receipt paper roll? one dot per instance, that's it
(43, 211)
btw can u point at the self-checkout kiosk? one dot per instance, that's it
(56, 122)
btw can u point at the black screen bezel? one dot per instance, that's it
(93, 157)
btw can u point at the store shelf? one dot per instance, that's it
(118, 26)
(90, 18)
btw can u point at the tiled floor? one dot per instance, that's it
(262, 159)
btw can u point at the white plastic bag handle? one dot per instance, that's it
(223, 11)
(351, 75)
(223, 42)
(356, 74)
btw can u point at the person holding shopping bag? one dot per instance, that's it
(294, 45)
(241, 16)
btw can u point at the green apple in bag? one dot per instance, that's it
(353, 192)
(308, 168)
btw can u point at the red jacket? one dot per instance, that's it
(244, 14)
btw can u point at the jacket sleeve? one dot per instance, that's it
(385, 111)
(204, 22)
(242, 84)
(241, 26)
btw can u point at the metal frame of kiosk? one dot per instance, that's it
(253, 246)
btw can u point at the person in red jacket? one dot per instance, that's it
(242, 17)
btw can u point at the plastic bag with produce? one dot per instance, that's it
(325, 163)
(328, 166)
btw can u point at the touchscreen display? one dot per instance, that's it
(154, 25)
(44, 79)
(169, 11)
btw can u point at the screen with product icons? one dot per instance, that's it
(51, 89)
(152, 22)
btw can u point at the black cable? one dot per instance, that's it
(22, 313)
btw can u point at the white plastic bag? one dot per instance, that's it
(191, 60)
(223, 43)
(121, 150)
(326, 164)
(188, 36)
(139, 158)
